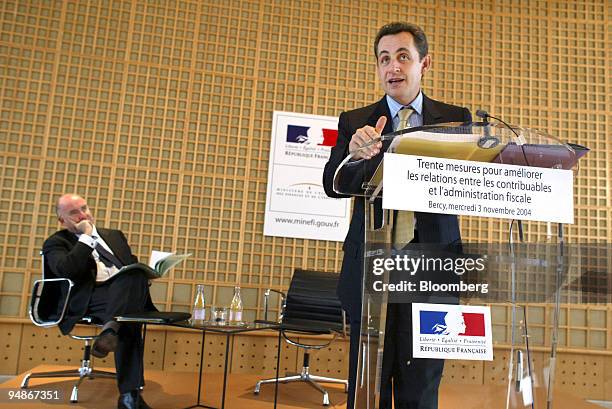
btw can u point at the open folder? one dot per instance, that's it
(461, 146)
(446, 145)
(159, 264)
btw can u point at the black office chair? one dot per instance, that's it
(310, 307)
(48, 305)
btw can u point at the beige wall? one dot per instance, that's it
(160, 113)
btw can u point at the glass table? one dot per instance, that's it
(229, 331)
(213, 327)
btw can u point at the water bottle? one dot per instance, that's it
(199, 310)
(235, 313)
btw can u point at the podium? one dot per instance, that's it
(515, 273)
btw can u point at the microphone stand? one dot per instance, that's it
(513, 297)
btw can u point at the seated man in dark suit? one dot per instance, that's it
(91, 257)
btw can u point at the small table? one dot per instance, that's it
(230, 331)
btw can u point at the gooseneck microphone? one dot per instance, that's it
(481, 113)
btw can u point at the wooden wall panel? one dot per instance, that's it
(257, 354)
(178, 350)
(464, 372)
(11, 345)
(607, 379)
(496, 371)
(160, 114)
(583, 375)
(49, 346)
(155, 346)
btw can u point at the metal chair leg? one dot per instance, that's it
(325, 379)
(284, 379)
(69, 373)
(305, 376)
(318, 387)
(104, 375)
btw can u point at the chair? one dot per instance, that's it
(310, 307)
(48, 305)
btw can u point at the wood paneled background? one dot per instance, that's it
(160, 114)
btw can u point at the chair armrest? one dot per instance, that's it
(41, 299)
(266, 300)
(344, 325)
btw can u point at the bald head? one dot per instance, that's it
(72, 212)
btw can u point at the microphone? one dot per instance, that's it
(486, 141)
(485, 116)
(481, 113)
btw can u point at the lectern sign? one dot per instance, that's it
(436, 185)
(452, 332)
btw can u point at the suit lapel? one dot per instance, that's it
(382, 109)
(431, 115)
(69, 236)
(73, 240)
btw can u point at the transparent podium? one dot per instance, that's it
(516, 275)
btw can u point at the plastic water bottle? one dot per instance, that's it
(199, 306)
(235, 313)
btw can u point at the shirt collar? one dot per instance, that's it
(416, 104)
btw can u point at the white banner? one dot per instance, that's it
(446, 331)
(296, 204)
(436, 185)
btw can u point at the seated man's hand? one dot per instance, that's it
(365, 142)
(84, 226)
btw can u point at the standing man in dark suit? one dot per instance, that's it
(402, 59)
(91, 257)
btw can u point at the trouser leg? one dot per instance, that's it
(353, 358)
(387, 370)
(128, 358)
(126, 293)
(415, 380)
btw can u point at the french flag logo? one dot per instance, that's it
(454, 322)
(312, 135)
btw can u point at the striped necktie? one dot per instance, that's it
(403, 228)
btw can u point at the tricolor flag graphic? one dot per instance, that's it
(452, 323)
(312, 135)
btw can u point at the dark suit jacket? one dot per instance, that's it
(66, 257)
(432, 228)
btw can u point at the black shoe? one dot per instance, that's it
(128, 400)
(132, 400)
(105, 343)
